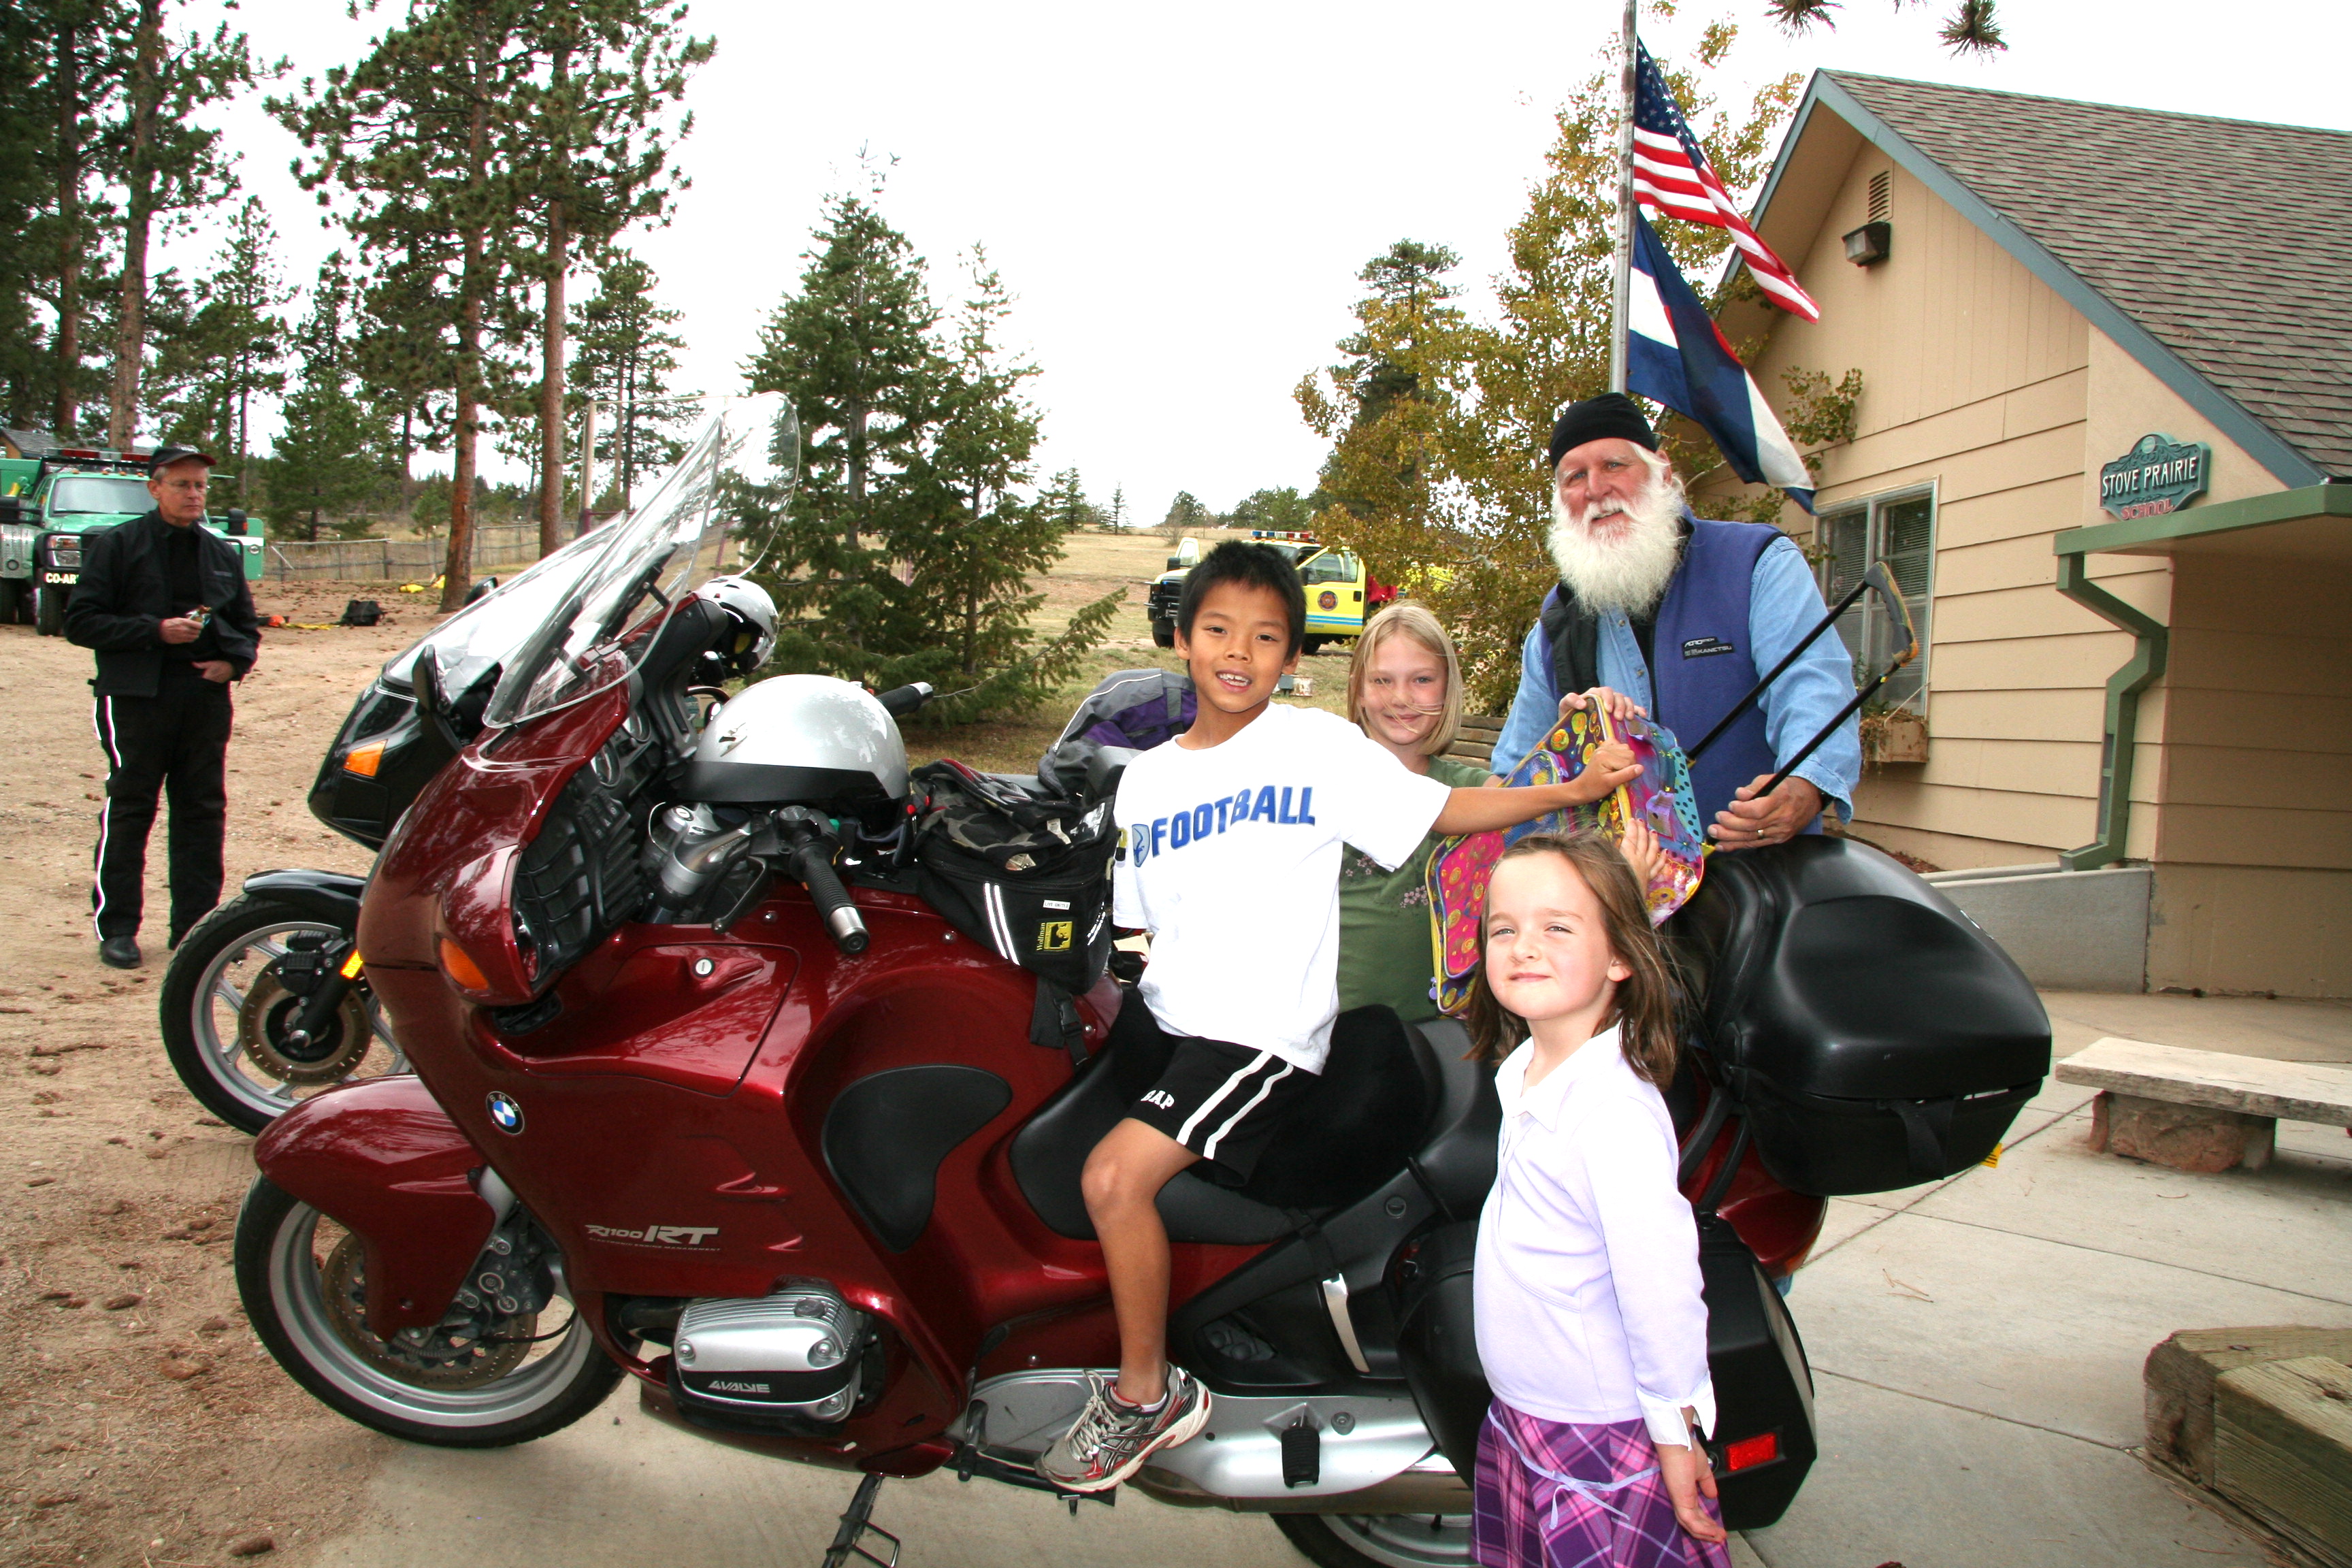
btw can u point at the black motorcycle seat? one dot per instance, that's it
(1363, 1119)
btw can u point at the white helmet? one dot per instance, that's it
(801, 740)
(751, 617)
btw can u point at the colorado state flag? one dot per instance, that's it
(1676, 355)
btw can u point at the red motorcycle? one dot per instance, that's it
(709, 1093)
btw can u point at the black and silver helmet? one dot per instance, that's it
(751, 622)
(800, 739)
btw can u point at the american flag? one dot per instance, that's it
(1671, 176)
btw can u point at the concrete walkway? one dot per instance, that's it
(1977, 1347)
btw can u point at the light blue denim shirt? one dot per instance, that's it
(1783, 604)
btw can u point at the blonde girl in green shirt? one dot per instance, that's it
(1404, 690)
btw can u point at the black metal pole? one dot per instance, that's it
(1757, 691)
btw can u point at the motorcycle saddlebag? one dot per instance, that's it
(1027, 875)
(1763, 1442)
(1871, 1033)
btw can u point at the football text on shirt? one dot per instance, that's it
(1162, 834)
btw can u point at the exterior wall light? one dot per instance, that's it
(1868, 246)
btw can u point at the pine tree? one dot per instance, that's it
(909, 548)
(329, 459)
(1064, 500)
(1118, 509)
(624, 359)
(853, 350)
(1971, 29)
(170, 165)
(230, 352)
(974, 561)
(417, 136)
(1385, 405)
(587, 136)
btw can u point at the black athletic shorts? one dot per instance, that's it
(1225, 1102)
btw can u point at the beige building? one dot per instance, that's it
(2136, 650)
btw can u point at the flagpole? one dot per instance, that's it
(1623, 300)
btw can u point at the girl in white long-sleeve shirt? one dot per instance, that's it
(1590, 1324)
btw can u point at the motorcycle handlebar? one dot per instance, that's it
(901, 700)
(813, 864)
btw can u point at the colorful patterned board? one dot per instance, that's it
(1661, 796)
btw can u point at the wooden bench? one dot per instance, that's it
(1474, 741)
(2201, 1111)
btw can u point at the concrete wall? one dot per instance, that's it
(2069, 931)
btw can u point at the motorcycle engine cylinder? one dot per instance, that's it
(795, 1353)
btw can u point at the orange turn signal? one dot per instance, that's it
(459, 966)
(364, 760)
(352, 965)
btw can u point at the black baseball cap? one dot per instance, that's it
(166, 456)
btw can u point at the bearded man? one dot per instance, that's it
(1682, 614)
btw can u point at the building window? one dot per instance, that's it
(1898, 529)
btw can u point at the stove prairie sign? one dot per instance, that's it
(2156, 476)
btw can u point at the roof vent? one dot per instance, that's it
(1881, 194)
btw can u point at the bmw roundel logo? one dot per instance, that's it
(505, 1114)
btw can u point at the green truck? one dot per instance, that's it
(48, 503)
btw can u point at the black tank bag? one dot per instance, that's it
(1027, 875)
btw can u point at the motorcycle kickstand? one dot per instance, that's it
(856, 1524)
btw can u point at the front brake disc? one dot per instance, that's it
(464, 1350)
(269, 1012)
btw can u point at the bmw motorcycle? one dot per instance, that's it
(706, 1095)
(263, 1002)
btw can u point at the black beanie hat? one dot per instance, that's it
(1611, 414)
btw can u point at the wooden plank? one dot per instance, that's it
(2252, 1085)
(2182, 1372)
(2283, 1447)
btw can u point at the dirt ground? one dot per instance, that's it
(141, 1423)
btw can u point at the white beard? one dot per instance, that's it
(1628, 571)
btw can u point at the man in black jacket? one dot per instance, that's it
(164, 603)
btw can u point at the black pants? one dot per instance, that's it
(175, 744)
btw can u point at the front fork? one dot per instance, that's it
(320, 967)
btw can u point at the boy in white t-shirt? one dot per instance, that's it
(1230, 859)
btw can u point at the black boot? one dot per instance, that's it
(119, 952)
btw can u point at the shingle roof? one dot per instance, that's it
(2229, 241)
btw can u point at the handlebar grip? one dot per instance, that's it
(901, 700)
(813, 867)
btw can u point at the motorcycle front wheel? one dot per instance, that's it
(226, 1017)
(472, 1381)
(1388, 1539)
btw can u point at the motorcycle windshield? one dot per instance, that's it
(488, 631)
(587, 641)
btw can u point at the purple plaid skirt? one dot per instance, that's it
(1552, 1495)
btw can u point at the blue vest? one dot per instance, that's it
(1703, 660)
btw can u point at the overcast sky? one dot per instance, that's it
(1179, 197)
